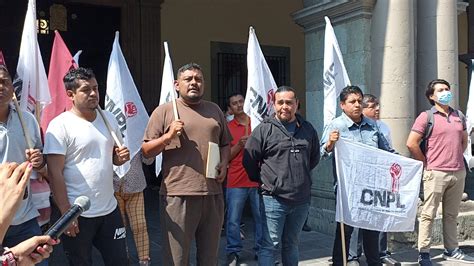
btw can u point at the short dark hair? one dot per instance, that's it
(285, 89)
(233, 95)
(4, 69)
(430, 88)
(369, 98)
(349, 90)
(188, 66)
(74, 75)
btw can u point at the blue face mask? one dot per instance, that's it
(444, 97)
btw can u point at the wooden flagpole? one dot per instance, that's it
(247, 120)
(341, 212)
(107, 124)
(175, 110)
(22, 122)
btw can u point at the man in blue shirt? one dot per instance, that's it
(15, 148)
(351, 124)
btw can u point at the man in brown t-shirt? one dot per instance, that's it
(191, 205)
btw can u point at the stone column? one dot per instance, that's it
(352, 25)
(437, 47)
(393, 67)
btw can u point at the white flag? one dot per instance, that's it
(122, 100)
(168, 94)
(470, 120)
(261, 86)
(335, 76)
(31, 83)
(76, 57)
(377, 190)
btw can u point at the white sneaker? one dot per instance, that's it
(458, 255)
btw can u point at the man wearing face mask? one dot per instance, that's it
(444, 172)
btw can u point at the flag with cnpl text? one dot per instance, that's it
(261, 86)
(124, 102)
(335, 76)
(377, 190)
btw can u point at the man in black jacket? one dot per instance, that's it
(280, 154)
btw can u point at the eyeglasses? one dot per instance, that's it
(373, 106)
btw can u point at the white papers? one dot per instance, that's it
(213, 159)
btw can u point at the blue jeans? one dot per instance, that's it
(236, 198)
(281, 223)
(19, 233)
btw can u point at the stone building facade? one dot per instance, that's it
(392, 49)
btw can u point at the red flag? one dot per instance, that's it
(2, 60)
(61, 62)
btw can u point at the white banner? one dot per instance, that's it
(335, 76)
(261, 86)
(470, 119)
(168, 94)
(31, 83)
(122, 100)
(378, 189)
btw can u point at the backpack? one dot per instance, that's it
(429, 128)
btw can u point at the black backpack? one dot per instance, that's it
(427, 134)
(430, 125)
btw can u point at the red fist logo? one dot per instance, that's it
(395, 172)
(130, 109)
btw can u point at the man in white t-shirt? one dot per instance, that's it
(81, 151)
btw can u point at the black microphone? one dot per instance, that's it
(81, 204)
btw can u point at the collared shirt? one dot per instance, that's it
(12, 149)
(444, 150)
(365, 132)
(385, 130)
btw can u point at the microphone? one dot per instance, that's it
(81, 204)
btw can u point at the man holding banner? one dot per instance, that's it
(351, 124)
(191, 202)
(20, 141)
(81, 152)
(280, 154)
(444, 174)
